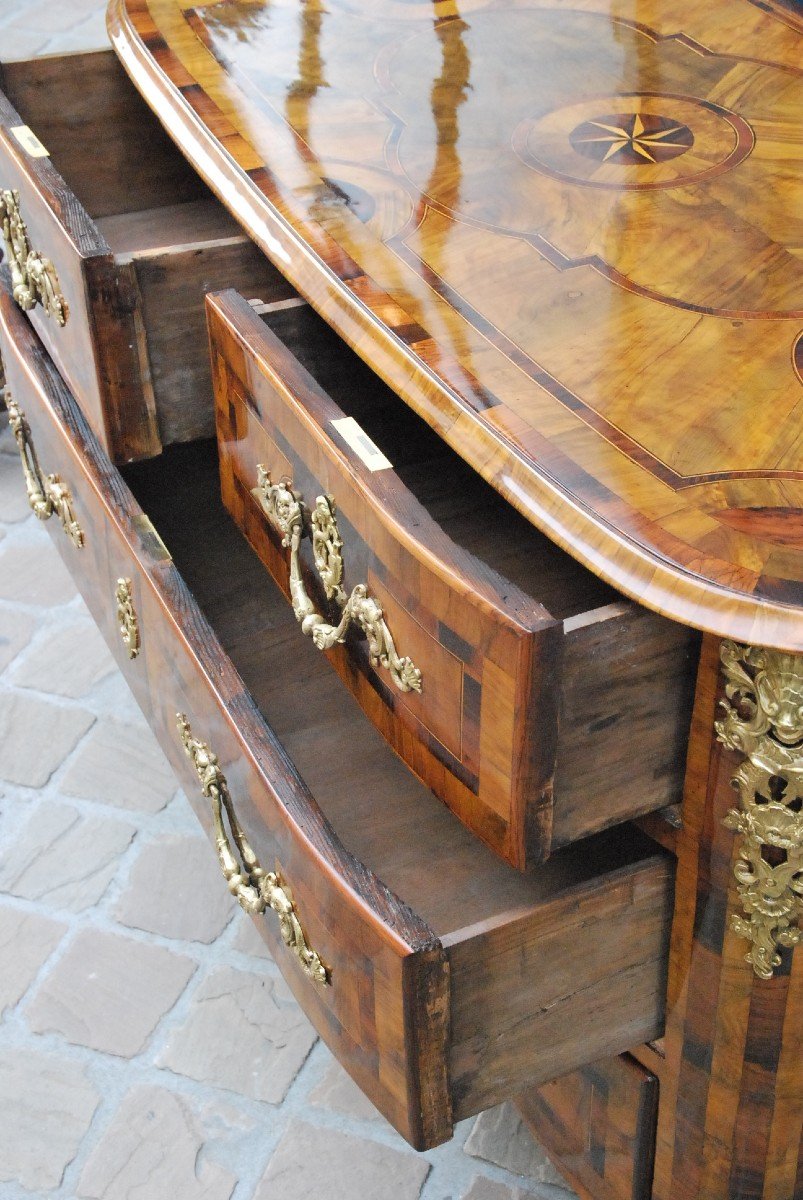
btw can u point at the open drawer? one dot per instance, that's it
(539, 706)
(112, 265)
(442, 979)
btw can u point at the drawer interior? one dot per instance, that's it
(380, 810)
(548, 968)
(163, 226)
(627, 674)
(100, 134)
(469, 510)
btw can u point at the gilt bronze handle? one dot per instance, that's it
(254, 889)
(33, 277)
(47, 494)
(127, 621)
(289, 514)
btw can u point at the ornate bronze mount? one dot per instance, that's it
(764, 722)
(290, 515)
(33, 277)
(46, 493)
(127, 616)
(254, 889)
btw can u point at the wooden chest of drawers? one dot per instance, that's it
(451, 808)
(442, 979)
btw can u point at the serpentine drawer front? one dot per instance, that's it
(442, 979)
(510, 679)
(112, 267)
(599, 1123)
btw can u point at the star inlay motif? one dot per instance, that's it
(632, 139)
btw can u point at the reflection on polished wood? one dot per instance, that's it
(570, 239)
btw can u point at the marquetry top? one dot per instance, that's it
(568, 232)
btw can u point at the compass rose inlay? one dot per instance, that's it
(632, 139)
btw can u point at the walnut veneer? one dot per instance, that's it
(521, 650)
(569, 238)
(563, 247)
(134, 246)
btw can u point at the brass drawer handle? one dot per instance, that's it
(46, 494)
(33, 277)
(254, 889)
(287, 511)
(127, 616)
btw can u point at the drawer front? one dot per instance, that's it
(599, 1125)
(467, 690)
(384, 1009)
(550, 969)
(132, 267)
(80, 301)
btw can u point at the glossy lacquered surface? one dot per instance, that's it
(569, 238)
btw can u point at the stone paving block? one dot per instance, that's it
(176, 888)
(500, 1136)
(69, 661)
(47, 17)
(8, 444)
(36, 736)
(14, 504)
(46, 1106)
(244, 1032)
(247, 939)
(154, 1149)
(109, 992)
(311, 1163)
(31, 572)
(16, 630)
(338, 1092)
(491, 1189)
(122, 764)
(91, 34)
(26, 941)
(64, 857)
(27, 42)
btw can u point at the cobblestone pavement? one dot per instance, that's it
(148, 1046)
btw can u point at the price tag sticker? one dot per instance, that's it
(29, 141)
(358, 440)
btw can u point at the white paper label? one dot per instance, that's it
(29, 141)
(361, 444)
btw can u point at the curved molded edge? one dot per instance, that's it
(645, 577)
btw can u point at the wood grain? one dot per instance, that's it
(528, 953)
(176, 260)
(455, 981)
(134, 347)
(70, 101)
(482, 731)
(731, 1112)
(628, 675)
(619, 675)
(598, 1126)
(389, 976)
(436, 187)
(97, 349)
